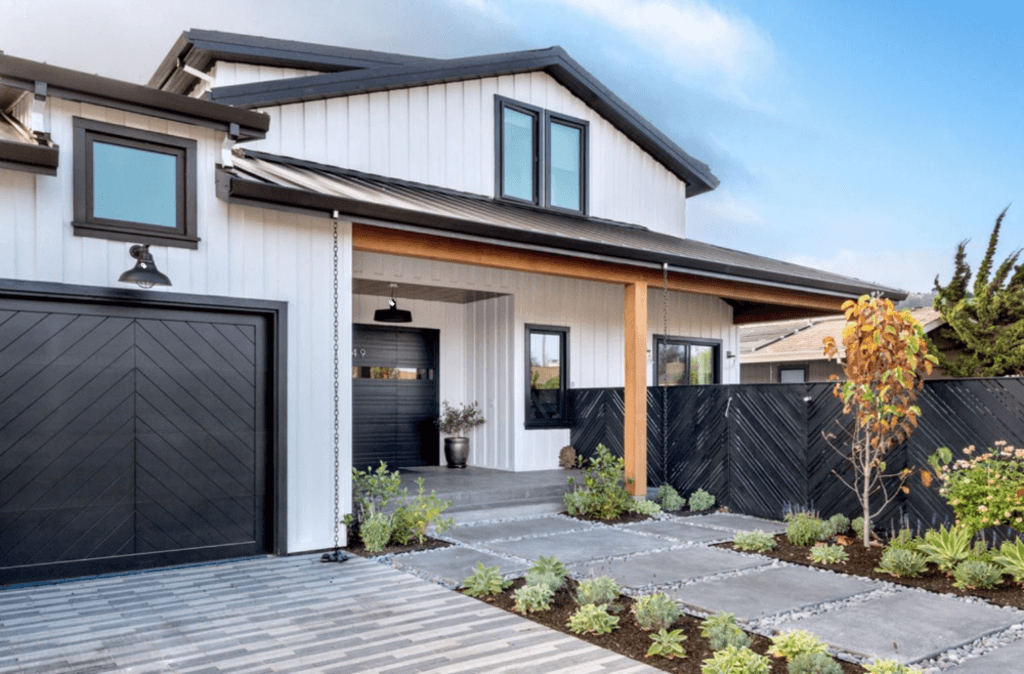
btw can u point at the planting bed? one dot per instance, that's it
(356, 547)
(632, 642)
(863, 562)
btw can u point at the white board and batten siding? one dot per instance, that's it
(244, 252)
(443, 135)
(487, 362)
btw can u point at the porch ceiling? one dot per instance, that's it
(411, 291)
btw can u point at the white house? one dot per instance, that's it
(530, 221)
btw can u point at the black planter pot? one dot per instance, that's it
(456, 451)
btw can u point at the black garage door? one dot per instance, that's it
(394, 396)
(129, 437)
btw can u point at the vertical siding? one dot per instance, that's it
(443, 134)
(489, 366)
(244, 252)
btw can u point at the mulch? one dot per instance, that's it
(356, 547)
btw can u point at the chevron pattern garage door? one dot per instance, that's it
(128, 437)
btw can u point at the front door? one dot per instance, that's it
(394, 396)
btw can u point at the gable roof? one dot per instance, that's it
(266, 179)
(376, 71)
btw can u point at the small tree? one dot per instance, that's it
(886, 357)
(987, 325)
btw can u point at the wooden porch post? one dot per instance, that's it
(635, 441)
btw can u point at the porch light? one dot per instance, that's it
(392, 314)
(144, 273)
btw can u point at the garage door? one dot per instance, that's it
(129, 437)
(394, 396)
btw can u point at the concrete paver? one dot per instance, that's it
(1008, 658)
(580, 546)
(481, 533)
(452, 565)
(776, 589)
(679, 531)
(737, 522)
(907, 626)
(668, 566)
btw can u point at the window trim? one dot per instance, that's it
(564, 420)
(86, 133)
(584, 129)
(499, 146)
(802, 368)
(716, 344)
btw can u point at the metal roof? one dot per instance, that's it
(265, 178)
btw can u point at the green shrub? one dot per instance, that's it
(736, 660)
(593, 619)
(376, 532)
(667, 644)
(548, 579)
(644, 507)
(552, 564)
(858, 527)
(722, 631)
(373, 490)
(755, 541)
(903, 540)
(655, 611)
(531, 598)
(837, 524)
(701, 500)
(977, 574)
(670, 498)
(983, 490)
(829, 554)
(902, 563)
(814, 663)
(600, 590)
(804, 529)
(888, 667)
(602, 494)
(946, 547)
(484, 582)
(412, 519)
(796, 642)
(1011, 558)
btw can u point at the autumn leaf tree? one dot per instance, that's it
(885, 357)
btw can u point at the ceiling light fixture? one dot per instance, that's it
(392, 314)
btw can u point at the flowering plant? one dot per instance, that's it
(986, 490)
(456, 421)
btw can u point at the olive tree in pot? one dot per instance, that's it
(453, 423)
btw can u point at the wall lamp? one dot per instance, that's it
(144, 273)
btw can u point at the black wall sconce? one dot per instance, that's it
(144, 273)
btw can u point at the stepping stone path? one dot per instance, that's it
(680, 531)
(579, 546)
(668, 566)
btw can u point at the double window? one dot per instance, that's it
(541, 157)
(547, 376)
(133, 185)
(680, 361)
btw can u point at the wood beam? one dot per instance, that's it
(373, 239)
(635, 440)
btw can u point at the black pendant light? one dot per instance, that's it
(392, 314)
(144, 273)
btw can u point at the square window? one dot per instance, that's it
(133, 185)
(680, 361)
(547, 373)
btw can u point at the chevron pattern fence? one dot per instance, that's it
(762, 448)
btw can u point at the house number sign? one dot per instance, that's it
(358, 353)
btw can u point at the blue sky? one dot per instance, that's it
(865, 138)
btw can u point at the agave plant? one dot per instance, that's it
(946, 547)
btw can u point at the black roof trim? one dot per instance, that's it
(28, 157)
(553, 60)
(79, 86)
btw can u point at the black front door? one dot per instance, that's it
(394, 396)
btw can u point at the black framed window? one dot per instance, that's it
(792, 374)
(540, 157)
(133, 185)
(547, 376)
(680, 361)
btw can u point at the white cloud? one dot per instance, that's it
(913, 271)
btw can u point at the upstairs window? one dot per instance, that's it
(792, 375)
(681, 361)
(541, 157)
(547, 374)
(133, 185)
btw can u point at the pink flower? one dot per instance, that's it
(982, 509)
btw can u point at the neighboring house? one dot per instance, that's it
(792, 351)
(525, 216)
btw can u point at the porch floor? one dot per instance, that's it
(491, 494)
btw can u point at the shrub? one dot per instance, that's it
(670, 498)
(946, 547)
(531, 598)
(412, 519)
(484, 582)
(455, 421)
(814, 663)
(602, 494)
(701, 500)
(837, 524)
(736, 660)
(858, 527)
(804, 529)
(888, 667)
(593, 619)
(644, 507)
(755, 541)
(1011, 558)
(721, 631)
(552, 564)
(667, 644)
(373, 490)
(376, 532)
(600, 590)
(903, 540)
(983, 491)
(548, 579)
(829, 554)
(902, 563)
(796, 642)
(977, 574)
(655, 611)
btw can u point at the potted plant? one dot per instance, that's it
(454, 422)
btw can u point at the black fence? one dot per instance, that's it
(759, 448)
